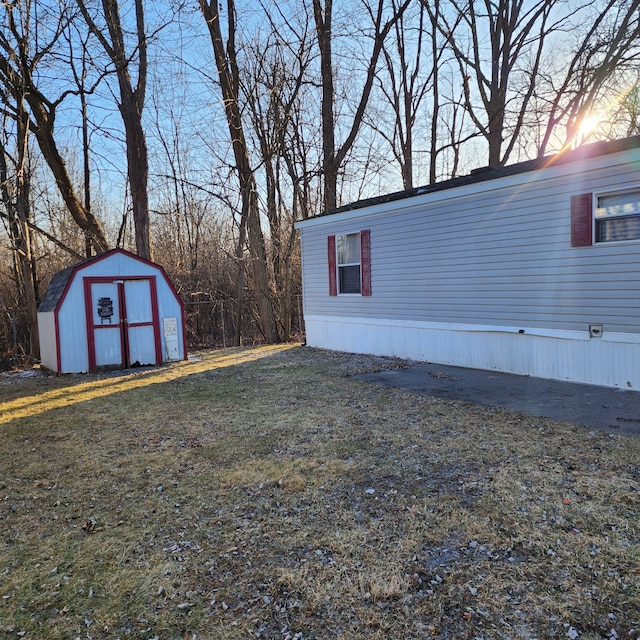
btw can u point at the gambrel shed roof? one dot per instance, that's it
(113, 310)
(56, 288)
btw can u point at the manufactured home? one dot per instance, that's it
(112, 311)
(531, 269)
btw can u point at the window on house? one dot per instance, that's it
(348, 263)
(618, 216)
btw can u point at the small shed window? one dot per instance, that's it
(618, 216)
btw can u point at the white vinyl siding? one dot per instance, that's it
(494, 253)
(47, 335)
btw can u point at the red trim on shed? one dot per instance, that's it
(88, 314)
(122, 320)
(155, 314)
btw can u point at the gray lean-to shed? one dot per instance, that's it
(532, 269)
(111, 311)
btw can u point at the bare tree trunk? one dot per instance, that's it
(131, 106)
(16, 75)
(85, 164)
(323, 18)
(333, 158)
(241, 268)
(286, 303)
(138, 170)
(227, 67)
(435, 112)
(18, 214)
(80, 79)
(23, 247)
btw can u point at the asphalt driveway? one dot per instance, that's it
(614, 410)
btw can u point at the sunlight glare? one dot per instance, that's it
(588, 125)
(57, 398)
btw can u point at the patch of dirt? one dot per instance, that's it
(16, 377)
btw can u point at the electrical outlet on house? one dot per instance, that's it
(595, 330)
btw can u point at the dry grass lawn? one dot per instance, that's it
(264, 493)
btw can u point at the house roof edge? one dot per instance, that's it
(483, 174)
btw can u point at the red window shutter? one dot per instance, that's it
(365, 259)
(331, 254)
(582, 220)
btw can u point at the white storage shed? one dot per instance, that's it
(112, 311)
(532, 269)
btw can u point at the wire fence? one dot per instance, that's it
(213, 324)
(209, 324)
(14, 339)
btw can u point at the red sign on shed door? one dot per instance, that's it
(122, 322)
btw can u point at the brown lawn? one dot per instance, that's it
(264, 493)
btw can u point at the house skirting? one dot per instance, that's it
(611, 360)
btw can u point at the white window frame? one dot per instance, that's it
(339, 265)
(599, 216)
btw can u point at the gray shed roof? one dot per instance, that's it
(55, 289)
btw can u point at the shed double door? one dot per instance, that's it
(122, 322)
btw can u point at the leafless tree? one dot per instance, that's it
(334, 154)
(128, 64)
(250, 229)
(274, 79)
(404, 83)
(490, 40)
(15, 196)
(21, 54)
(80, 77)
(606, 56)
(508, 72)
